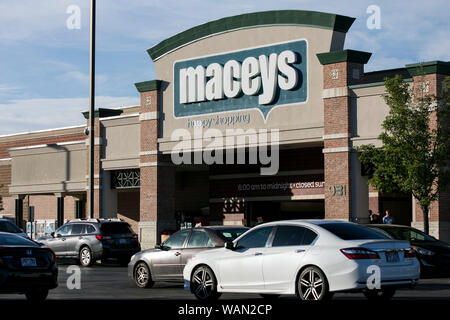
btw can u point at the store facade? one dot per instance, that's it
(251, 117)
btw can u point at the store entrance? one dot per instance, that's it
(267, 211)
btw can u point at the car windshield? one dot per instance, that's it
(13, 240)
(349, 231)
(408, 234)
(115, 228)
(6, 226)
(231, 233)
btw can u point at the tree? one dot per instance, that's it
(415, 152)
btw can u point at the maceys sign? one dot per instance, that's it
(263, 78)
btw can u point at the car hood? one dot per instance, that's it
(435, 246)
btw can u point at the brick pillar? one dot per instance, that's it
(343, 181)
(59, 209)
(18, 204)
(98, 142)
(427, 80)
(157, 189)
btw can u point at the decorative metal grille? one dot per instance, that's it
(125, 179)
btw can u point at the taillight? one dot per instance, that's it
(359, 253)
(101, 238)
(410, 253)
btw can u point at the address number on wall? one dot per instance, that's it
(337, 190)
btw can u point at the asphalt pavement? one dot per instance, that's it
(110, 282)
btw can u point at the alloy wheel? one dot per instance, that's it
(85, 257)
(203, 283)
(142, 276)
(311, 285)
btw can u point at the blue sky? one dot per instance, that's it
(44, 65)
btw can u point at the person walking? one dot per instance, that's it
(388, 219)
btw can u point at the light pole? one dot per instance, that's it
(91, 111)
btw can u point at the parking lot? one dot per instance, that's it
(110, 282)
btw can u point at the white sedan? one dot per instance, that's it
(309, 258)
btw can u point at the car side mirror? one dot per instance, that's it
(58, 235)
(52, 234)
(158, 246)
(229, 245)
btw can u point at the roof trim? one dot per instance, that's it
(344, 56)
(431, 67)
(250, 20)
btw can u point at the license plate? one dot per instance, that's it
(28, 262)
(124, 241)
(392, 256)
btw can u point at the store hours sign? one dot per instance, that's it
(262, 78)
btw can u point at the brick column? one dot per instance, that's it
(98, 142)
(427, 80)
(157, 189)
(342, 169)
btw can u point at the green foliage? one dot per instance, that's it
(415, 154)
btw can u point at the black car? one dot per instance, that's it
(26, 267)
(433, 254)
(94, 239)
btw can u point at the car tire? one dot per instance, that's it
(204, 284)
(385, 294)
(85, 257)
(312, 285)
(36, 295)
(142, 276)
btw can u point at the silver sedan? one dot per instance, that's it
(166, 261)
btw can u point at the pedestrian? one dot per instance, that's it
(388, 219)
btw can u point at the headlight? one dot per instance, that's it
(423, 251)
(132, 257)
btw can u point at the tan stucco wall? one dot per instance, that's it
(121, 142)
(306, 118)
(55, 168)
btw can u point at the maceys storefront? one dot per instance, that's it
(251, 118)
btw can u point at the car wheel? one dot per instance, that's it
(36, 295)
(380, 295)
(204, 284)
(142, 276)
(85, 257)
(312, 285)
(269, 296)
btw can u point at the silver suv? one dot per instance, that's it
(94, 239)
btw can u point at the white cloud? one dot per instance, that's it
(38, 114)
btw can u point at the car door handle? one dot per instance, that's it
(258, 253)
(177, 253)
(299, 250)
(63, 239)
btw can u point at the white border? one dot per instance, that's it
(243, 110)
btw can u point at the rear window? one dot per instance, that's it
(115, 228)
(348, 231)
(6, 226)
(13, 240)
(231, 233)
